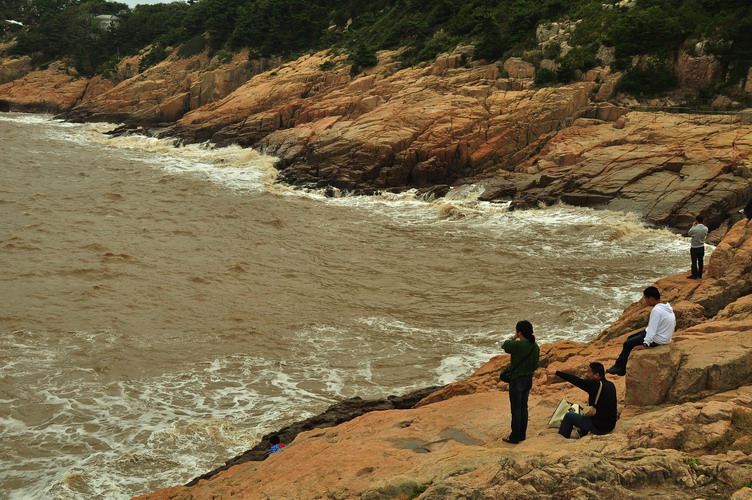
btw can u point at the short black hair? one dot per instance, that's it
(699, 218)
(274, 439)
(652, 292)
(598, 368)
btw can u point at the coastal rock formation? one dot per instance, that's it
(449, 445)
(334, 415)
(454, 122)
(165, 92)
(416, 127)
(668, 168)
(55, 89)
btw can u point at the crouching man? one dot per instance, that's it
(601, 395)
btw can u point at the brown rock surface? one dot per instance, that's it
(52, 90)
(449, 445)
(695, 72)
(166, 91)
(446, 123)
(666, 167)
(417, 127)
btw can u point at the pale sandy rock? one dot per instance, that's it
(606, 55)
(690, 427)
(127, 67)
(722, 101)
(419, 126)
(608, 87)
(549, 64)
(166, 91)
(742, 494)
(517, 68)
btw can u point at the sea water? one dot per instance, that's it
(163, 307)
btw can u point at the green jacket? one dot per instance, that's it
(519, 349)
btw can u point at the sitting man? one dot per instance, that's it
(601, 395)
(660, 328)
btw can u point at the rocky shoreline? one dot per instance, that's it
(454, 122)
(686, 415)
(685, 429)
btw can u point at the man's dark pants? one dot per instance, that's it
(698, 256)
(572, 419)
(519, 390)
(632, 341)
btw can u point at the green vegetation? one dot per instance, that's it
(327, 65)
(56, 29)
(192, 47)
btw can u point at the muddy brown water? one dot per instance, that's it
(162, 307)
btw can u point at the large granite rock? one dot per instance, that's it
(166, 91)
(55, 89)
(665, 167)
(415, 127)
(456, 121)
(728, 277)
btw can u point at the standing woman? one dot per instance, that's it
(525, 354)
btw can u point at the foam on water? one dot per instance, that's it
(101, 435)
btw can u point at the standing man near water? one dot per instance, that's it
(698, 232)
(525, 354)
(659, 331)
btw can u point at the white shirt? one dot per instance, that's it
(661, 325)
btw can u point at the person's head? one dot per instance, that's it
(699, 219)
(652, 295)
(596, 371)
(274, 439)
(525, 330)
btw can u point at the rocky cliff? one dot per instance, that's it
(455, 121)
(684, 429)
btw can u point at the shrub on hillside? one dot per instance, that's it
(652, 78)
(192, 47)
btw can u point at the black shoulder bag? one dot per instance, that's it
(506, 373)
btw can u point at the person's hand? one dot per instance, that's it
(640, 347)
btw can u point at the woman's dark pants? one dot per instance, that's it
(519, 390)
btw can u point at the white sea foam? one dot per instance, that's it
(96, 430)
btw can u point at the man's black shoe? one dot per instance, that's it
(692, 277)
(615, 370)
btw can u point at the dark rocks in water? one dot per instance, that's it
(130, 130)
(433, 192)
(334, 415)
